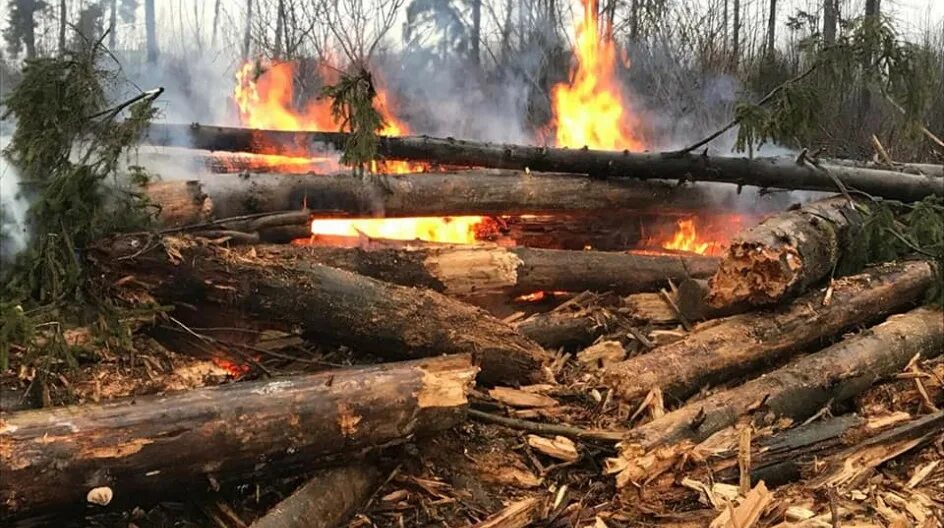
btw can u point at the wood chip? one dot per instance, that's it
(921, 472)
(602, 353)
(798, 513)
(748, 512)
(517, 515)
(520, 398)
(559, 447)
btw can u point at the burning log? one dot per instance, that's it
(800, 389)
(465, 192)
(761, 172)
(468, 272)
(390, 320)
(785, 254)
(53, 457)
(739, 344)
(331, 496)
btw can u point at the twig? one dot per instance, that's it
(542, 428)
(880, 150)
(149, 95)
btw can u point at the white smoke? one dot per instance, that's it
(13, 207)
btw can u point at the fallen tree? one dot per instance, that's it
(55, 457)
(761, 172)
(465, 272)
(388, 320)
(800, 389)
(785, 254)
(739, 344)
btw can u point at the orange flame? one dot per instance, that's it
(591, 111)
(709, 239)
(266, 99)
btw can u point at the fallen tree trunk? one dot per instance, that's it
(327, 500)
(391, 321)
(482, 271)
(54, 457)
(465, 192)
(740, 344)
(764, 172)
(785, 254)
(928, 169)
(800, 389)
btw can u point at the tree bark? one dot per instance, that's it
(785, 254)
(830, 21)
(327, 500)
(54, 457)
(740, 344)
(150, 28)
(468, 272)
(800, 389)
(761, 172)
(472, 192)
(385, 319)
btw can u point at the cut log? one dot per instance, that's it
(783, 173)
(740, 344)
(181, 202)
(327, 500)
(152, 444)
(800, 389)
(466, 272)
(388, 320)
(466, 192)
(650, 308)
(554, 330)
(785, 254)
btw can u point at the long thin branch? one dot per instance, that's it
(543, 428)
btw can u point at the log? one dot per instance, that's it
(740, 344)
(785, 254)
(330, 497)
(154, 444)
(911, 168)
(800, 389)
(468, 272)
(692, 301)
(650, 308)
(555, 330)
(465, 192)
(388, 320)
(782, 173)
(181, 202)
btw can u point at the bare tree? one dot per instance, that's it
(113, 24)
(358, 26)
(150, 28)
(772, 28)
(830, 21)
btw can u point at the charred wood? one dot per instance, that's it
(764, 172)
(54, 457)
(737, 345)
(393, 321)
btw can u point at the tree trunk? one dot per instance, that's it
(736, 37)
(872, 12)
(384, 319)
(29, 28)
(800, 389)
(63, 17)
(468, 272)
(738, 345)
(830, 21)
(216, 22)
(280, 29)
(762, 172)
(476, 49)
(113, 25)
(785, 254)
(472, 192)
(327, 500)
(247, 35)
(772, 29)
(151, 444)
(150, 27)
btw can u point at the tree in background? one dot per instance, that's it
(20, 32)
(150, 28)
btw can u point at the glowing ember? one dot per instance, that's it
(235, 370)
(453, 230)
(538, 296)
(591, 111)
(265, 99)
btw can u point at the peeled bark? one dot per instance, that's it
(740, 344)
(331, 496)
(761, 172)
(785, 254)
(800, 389)
(385, 319)
(153, 444)
(469, 272)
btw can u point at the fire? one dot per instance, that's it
(708, 238)
(686, 239)
(591, 111)
(266, 99)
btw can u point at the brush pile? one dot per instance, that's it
(392, 383)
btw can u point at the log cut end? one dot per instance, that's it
(447, 383)
(756, 274)
(181, 202)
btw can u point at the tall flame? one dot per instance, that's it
(266, 99)
(591, 110)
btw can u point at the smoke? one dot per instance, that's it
(13, 206)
